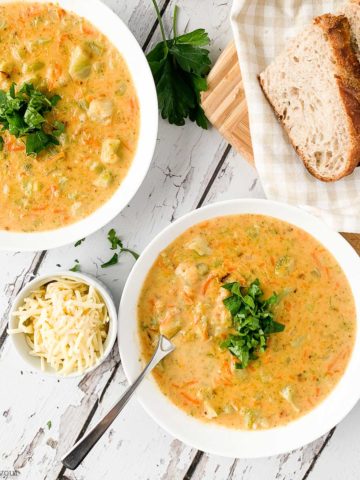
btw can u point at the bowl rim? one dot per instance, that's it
(33, 362)
(216, 439)
(117, 32)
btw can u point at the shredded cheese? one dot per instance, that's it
(66, 324)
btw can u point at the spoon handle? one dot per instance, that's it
(83, 446)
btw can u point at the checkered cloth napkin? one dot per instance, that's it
(261, 29)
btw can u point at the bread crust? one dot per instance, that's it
(336, 28)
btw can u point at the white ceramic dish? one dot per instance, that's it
(216, 439)
(19, 341)
(117, 32)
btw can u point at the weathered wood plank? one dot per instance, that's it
(236, 179)
(291, 466)
(26, 441)
(15, 269)
(134, 444)
(340, 458)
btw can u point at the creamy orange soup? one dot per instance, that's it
(182, 298)
(61, 53)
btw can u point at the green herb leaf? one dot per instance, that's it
(79, 242)
(33, 117)
(113, 261)
(38, 141)
(22, 113)
(255, 291)
(191, 58)
(176, 98)
(49, 424)
(252, 321)
(197, 113)
(179, 67)
(233, 304)
(55, 100)
(1, 144)
(12, 90)
(59, 128)
(198, 38)
(116, 243)
(114, 239)
(76, 267)
(157, 57)
(134, 254)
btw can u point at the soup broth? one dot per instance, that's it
(61, 53)
(182, 298)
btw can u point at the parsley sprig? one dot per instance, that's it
(117, 244)
(179, 67)
(252, 319)
(22, 113)
(76, 267)
(79, 242)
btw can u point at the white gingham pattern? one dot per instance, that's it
(261, 29)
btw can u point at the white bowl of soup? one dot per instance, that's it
(271, 368)
(103, 124)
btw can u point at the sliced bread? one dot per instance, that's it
(351, 10)
(314, 89)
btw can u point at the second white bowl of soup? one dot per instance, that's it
(100, 121)
(262, 303)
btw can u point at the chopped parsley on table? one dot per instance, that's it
(76, 267)
(113, 261)
(117, 244)
(252, 320)
(22, 114)
(179, 67)
(79, 242)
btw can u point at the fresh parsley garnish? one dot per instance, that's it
(113, 261)
(116, 243)
(59, 128)
(49, 424)
(22, 114)
(114, 239)
(252, 320)
(76, 267)
(79, 242)
(179, 67)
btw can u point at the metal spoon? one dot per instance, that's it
(83, 446)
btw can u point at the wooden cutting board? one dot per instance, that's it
(224, 102)
(225, 106)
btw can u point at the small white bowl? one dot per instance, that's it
(19, 341)
(217, 439)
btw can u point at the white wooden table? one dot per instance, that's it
(191, 167)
